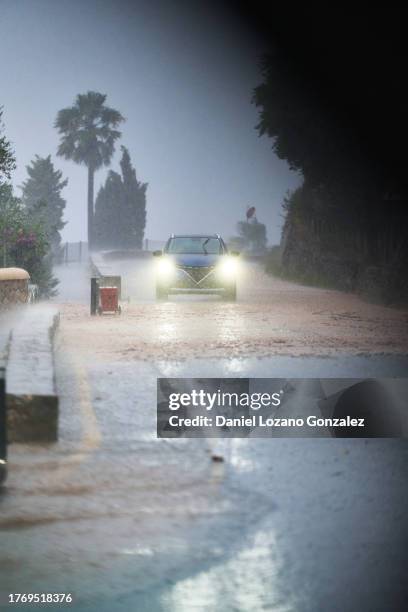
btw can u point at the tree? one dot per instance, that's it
(11, 219)
(332, 101)
(88, 135)
(134, 203)
(253, 235)
(23, 242)
(41, 196)
(109, 212)
(7, 160)
(120, 208)
(332, 96)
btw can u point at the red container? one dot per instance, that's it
(108, 300)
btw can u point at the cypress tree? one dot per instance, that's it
(120, 209)
(134, 203)
(41, 196)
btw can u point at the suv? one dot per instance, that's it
(196, 264)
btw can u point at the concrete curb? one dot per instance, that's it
(32, 401)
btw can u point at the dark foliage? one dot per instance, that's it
(333, 95)
(7, 159)
(43, 200)
(120, 209)
(253, 235)
(23, 242)
(333, 101)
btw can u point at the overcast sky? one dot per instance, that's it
(181, 73)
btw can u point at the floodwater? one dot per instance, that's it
(271, 317)
(126, 521)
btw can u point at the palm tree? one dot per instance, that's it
(88, 134)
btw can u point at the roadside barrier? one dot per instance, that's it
(32, 400)
(94, 295)
(3, 426)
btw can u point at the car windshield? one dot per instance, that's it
(195, 245)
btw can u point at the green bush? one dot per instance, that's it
(24, 244)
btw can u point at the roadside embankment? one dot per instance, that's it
(311, 259)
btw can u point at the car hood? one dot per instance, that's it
(198, 261)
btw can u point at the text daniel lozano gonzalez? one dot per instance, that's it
(254, 401)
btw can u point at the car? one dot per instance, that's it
(196, 264)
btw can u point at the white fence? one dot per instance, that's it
(74, 252)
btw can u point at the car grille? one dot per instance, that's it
(197, 273)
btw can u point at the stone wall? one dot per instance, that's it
(13, 287)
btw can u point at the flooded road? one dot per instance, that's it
(125, 521)
(271, 317)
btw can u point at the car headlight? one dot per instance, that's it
(165, 267)
(228, 267)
